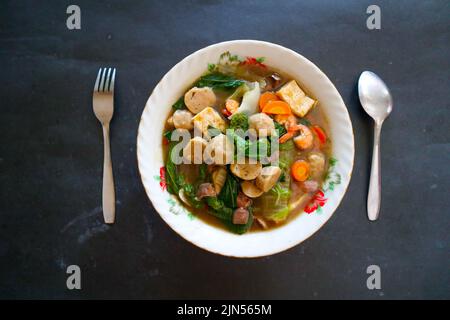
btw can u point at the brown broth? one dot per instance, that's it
(315, 116)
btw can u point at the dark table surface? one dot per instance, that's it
(51, 150)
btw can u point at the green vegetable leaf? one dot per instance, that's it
(219, 210)
(287, 146)
(281, 192)
(279, 215)
(179, 105)
(260, 59)
(202, 172)
(218, 81)
(241, 228)
(229, 192)
(214, 203)
(212, 131)
(168, 134)
(280, 129)
(171, 172)
(305, 122)
(239, 92)
(211, 67)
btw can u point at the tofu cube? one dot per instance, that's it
(299, 102)
(208, 117)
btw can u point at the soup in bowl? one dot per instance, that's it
(249, 156)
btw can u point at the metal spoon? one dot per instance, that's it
(376, 100)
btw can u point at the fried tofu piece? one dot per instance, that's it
(299, 102)
(208, 117)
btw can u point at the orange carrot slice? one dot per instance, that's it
(277, 107)
(300, 170)
(266, 97)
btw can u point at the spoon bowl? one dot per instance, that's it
(377, 101)
(374, 96)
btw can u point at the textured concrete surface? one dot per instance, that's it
(51, 150)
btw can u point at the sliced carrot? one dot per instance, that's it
(300, 170)
(277, 107)
(320, 134)
(266, 97)
(231, 105)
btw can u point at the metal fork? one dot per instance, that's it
(103, 103)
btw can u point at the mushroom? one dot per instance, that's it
(240, 216)
(183, 198)
(219, 175)
(198, 99)
(246, 171)
(193, 151)
(262, 124)
(219, 150)
(250, 189)
(272, 81)
(261, 222)
(268, 178)
(206, 190)
(182, 119)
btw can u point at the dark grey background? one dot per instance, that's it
(51, 150)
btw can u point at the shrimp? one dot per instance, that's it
(305, 139)
(290, 123)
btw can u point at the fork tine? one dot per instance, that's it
(102, 81)
(107, 80)
(113, 78)
(97, 82)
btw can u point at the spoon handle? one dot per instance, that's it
(374, 196)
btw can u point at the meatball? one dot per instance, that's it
(193, 151)
(198, 99)
(220, 150)
(182, 119)
(262, 124)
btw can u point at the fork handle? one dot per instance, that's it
(108, 193)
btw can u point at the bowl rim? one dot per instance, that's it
(346, 115)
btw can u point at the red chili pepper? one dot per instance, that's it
(254, 61)
(320, 134)
(226, 113)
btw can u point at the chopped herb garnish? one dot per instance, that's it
(211, 67)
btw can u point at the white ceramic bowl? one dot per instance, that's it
(253, 244)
